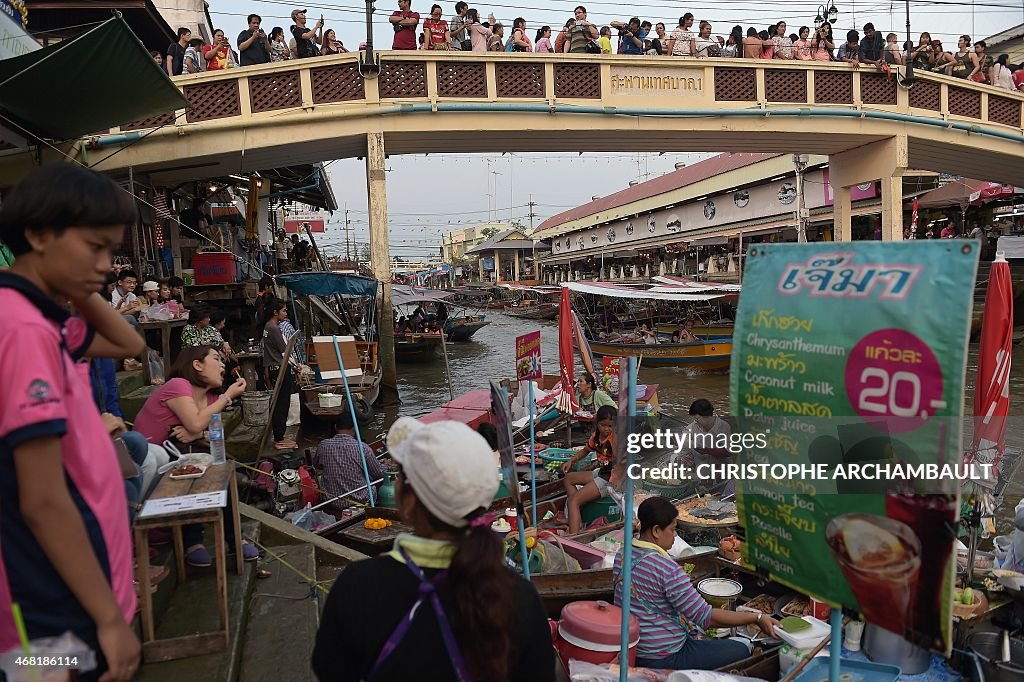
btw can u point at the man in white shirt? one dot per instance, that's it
(123, 298)
(712, 431)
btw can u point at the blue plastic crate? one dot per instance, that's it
(849, 671)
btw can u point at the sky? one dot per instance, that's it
(430, 195)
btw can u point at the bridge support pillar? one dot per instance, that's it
(380, 261)
(885, 160)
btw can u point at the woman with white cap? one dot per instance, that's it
(442, 605)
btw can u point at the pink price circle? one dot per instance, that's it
(892, 374)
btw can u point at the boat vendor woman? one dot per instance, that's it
(442, 605)
(597, 483)
(668, 605)
(589, 396)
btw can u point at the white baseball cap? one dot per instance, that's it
(150, 286)
(449, 466)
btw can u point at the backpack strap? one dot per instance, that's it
(427, 590)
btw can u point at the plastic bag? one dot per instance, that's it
(294, 411)
(67, 645)
(156, 366)
(161, 312)
(581, 671)
(310, 520)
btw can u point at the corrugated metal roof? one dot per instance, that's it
(659, 185)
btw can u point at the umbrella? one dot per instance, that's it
(966, 192)
(992, 389)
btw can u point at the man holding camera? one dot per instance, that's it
(305, 38)
(253, 43)
(404, 22)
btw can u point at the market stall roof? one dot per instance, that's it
(525, 287)
(404, 294)
(618, 291)
(67, 89)
(500, 242)
(967, 192)
(328, 284)
(675, 281)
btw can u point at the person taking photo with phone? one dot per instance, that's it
(253, 43)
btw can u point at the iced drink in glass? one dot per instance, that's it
(881, 560)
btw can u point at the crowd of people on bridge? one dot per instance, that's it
(465, 31)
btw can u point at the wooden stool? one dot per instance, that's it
(217, 478)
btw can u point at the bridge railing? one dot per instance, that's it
(606, 81)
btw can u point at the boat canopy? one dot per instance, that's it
(674, 281)
(328, 284)
(660, 293)
(403, 294)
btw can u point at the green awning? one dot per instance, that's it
(100, 79)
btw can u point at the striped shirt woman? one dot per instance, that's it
(668, 606)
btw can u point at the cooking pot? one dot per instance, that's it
(985, 649)
(883, 646)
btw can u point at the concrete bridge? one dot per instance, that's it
(870, 125)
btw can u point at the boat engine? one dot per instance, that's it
(286, 499)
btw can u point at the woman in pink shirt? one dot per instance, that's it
(802, 48)
(822, 45)
(180, 410)
(543, 43)
(65, 550)
(478, 35)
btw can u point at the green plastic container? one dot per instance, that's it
(386, 495)
(503, 491)
(562, 455)
(605, 506)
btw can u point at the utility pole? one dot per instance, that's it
(531, 216)
(800, 162)
(348, 242)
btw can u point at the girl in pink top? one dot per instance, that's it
(802, 48)
(822, 44)
(65, 550)
(543, 43)
(180, 410)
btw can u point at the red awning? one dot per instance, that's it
(966, 192)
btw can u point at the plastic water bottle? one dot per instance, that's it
(217, 448)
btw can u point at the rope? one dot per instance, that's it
(313, 583)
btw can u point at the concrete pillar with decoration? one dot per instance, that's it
(886, 160)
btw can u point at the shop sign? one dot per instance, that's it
(849, 364)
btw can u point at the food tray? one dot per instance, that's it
(809, 637)
(793, 605)
(765, 603)
(202, 470)
(694, 502)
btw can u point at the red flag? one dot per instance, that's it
(565, 355)
(913, 221)
(992, 390)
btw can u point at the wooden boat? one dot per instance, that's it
(365, 389)
(713, 354)
(462, 328)
(351, 533)
(530, 310)
(417, 347)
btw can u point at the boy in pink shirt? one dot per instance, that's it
(65, 545)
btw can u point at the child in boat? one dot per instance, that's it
(597, 483)
(666, 603)
(442, 605)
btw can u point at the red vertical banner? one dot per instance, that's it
(565, 354)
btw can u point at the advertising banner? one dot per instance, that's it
(848, 363)
(528, 365)
(297, 222)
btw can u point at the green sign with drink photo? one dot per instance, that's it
(849, 360)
